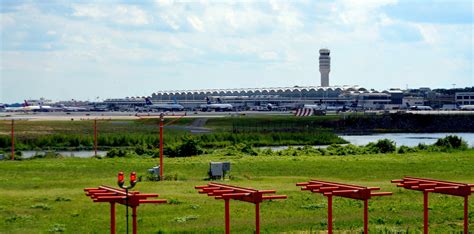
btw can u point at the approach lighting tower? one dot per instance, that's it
(324, 66)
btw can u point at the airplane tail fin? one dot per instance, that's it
(25, 103)
(148, 101)
(219, 100)
(175, 101)
(208, 100)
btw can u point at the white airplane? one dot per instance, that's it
(424, 108)
(219, 106)
(71, 108)
(467, 107)
(27, 107)
(166, 107)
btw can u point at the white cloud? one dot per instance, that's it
(120, 14)
(276, 42)
(196, 23)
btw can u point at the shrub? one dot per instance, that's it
(386, 146)
(405, 149)
(451, 142)
(116, 153)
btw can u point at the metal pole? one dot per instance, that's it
(126, 208)
(330, 214)
(13, 140)
(425, 212)
(257, 218)
(95, 137)
(134, 219)
(466, 224)
(162, 120)
(366, 216)
(112, 218)
(227, 216)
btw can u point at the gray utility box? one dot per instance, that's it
(154, 173)
(217, 170)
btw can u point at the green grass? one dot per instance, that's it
(46, 195)
(32, 135)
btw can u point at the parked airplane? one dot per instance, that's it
(325, 107)
(467, 107)
(424, 108)
(165, 107)
(27, 107)
(71, 108)
(219, 106)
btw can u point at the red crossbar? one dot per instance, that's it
(330, 189)
(228, 192)
(437, 186)
(115, 195)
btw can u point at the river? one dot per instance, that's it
(407, 139)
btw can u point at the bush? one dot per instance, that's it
(189, 146)
(451, 142)
(386, 146)
(116, 153)
(405, 149)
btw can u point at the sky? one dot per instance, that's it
(93, 50)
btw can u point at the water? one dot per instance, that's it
(75, 153)
(406, 139)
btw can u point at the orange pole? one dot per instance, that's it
(134, 219)
(466, 215)
(366, 216)
(95, 137)
(13, 140)
(257, 218)
(161, 145)
(329, 214)
(112, 218)
(425, 212)
(227, 216)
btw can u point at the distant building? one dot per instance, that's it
(324, 66)
(464, 98)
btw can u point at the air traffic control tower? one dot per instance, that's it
(324, 66)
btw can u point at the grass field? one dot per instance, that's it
(39, 196)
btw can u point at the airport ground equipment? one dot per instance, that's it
(437, 186)
(330, 189)
(122, 196)
(218, 170)
(154, 173)
(228, 192)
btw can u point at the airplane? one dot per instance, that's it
(467, 107)
(37, 108)
(166, 107)
(219, 106)
(322, 107)
(424, 108)
(27, 107)
(71, 108)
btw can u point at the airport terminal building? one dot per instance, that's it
(281, 98)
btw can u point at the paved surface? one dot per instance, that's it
(63, 116)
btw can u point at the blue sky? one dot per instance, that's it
(87, 49)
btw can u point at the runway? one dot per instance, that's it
(72, 116)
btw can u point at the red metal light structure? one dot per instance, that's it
(95, 137)
(330, 189)
(437, 186)
(13, 139)
(121, 196)
(162, 121)
(228, 192)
